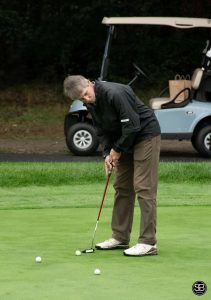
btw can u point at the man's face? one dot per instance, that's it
(88, 93)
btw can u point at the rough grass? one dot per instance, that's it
(30, 121)
(25, 174)
(32, 94)
(32, 110)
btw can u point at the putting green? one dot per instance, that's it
(56, 233)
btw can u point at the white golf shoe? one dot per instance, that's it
(111, 244)
(141, 250)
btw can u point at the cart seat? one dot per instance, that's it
(156, 103)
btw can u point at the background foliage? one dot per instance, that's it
(45, 40)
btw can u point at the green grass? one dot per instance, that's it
(89, 195)
(41, 214)
(55, 234)
(51, 174)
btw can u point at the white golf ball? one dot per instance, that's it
(78, 252)
(97, 272)
(38, 259)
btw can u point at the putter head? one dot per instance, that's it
(89, 250)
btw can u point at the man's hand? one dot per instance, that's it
(114, 156)
(108, 164)
(111, 160)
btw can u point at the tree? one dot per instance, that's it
(46, 39)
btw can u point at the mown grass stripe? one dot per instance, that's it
(41, 174)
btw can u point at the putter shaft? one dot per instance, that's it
(100, 209)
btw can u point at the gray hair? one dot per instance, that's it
(73, 86)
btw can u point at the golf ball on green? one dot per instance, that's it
(77, 252)
(97, 272)
(38, 259)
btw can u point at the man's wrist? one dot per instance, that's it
(116, 149)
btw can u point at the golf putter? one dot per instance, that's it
(91, 250)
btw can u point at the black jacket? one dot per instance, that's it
(121, 118)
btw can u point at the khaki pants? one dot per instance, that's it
(137, 174)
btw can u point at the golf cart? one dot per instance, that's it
(189, 119)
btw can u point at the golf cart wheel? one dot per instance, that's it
(202, 141)
(193, 142)
(82, 139)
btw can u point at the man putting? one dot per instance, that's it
(130, 137)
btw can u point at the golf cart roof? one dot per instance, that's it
(168, 21)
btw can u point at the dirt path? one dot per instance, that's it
(33, 145)
(58, 145)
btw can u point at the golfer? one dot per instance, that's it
(130, 137)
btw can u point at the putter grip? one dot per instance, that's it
(103, 198)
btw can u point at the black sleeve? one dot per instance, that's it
(105, 141)
(125, 106)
